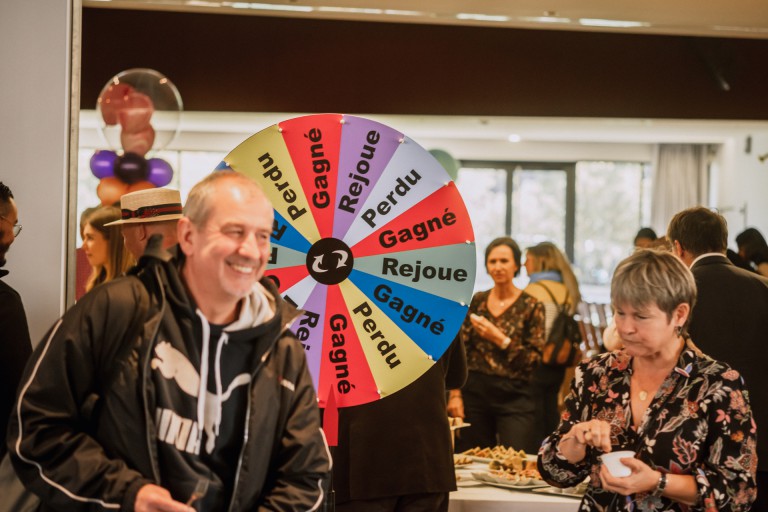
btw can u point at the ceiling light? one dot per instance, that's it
(201, 3)
(544, 19)
(741, 29)
(480, 17)
(396, 12)
(513, 137)
(597, 22)
(350, 10)
(269, 7)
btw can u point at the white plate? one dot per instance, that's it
(468, 483)
(555, 491)
(496, 481)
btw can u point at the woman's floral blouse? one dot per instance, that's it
(699, 423)
(522, 321)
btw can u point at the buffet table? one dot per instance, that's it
(473, 496)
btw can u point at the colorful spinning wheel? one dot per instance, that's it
(372, 240)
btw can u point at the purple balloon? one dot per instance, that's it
(103, 163)
(160, 172)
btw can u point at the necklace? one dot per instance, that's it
(509, 300)
(642, 395)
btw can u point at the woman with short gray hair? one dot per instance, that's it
(685, 416)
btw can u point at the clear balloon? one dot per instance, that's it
(139, 142)
(160, 172)
(136, 98)
(103, 163)
(112, 99)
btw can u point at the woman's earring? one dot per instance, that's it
(679, 330)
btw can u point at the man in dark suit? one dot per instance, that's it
(730, 319)
(15, 347)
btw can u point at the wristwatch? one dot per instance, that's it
(507, 342)
(659, 490)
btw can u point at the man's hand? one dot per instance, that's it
(153, 498)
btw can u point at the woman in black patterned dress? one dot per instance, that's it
(503, 335)
(685, 415)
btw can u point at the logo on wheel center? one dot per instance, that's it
(329, 261)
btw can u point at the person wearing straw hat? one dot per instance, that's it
(146, 213)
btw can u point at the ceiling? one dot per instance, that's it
(734, 18)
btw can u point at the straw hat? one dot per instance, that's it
(150, 205)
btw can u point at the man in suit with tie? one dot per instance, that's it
(730, 319)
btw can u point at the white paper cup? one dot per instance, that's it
(611, 460)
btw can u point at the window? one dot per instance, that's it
(591, 210)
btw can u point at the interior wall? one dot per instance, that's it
(742, 184)
(35, 49)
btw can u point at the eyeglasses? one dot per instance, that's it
(16, 227)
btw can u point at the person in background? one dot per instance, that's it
(83, 269)
(15, 346)
(753, 249)
(395, 454)
(503, 334)
(730, 319)
(686, 416)
(553, 283)
(644, 237)
(104, 247)
(180, 383)
(149, 212)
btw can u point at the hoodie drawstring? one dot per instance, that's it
(204, 369)
(203, 387)
(223, 340)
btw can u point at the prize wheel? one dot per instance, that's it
(371, 240)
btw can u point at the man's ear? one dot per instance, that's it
(143, 233)
(185, 231)
(677, 249)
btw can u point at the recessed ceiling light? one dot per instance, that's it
(741, 29)
(350, 10)
(269, 7)
(480, 17)
(396, 12)
(597, 22)
(544, 19)
(513, 137)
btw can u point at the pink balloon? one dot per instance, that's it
(139, 142)
(112, 100)
(136, 112)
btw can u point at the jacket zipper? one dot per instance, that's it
(248, 418)
(246, 432)
(144, 383)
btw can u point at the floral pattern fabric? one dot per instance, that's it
(522, 321)
(699, 423)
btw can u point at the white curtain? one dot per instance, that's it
(681, 180)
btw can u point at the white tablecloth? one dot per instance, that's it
(485, 498)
